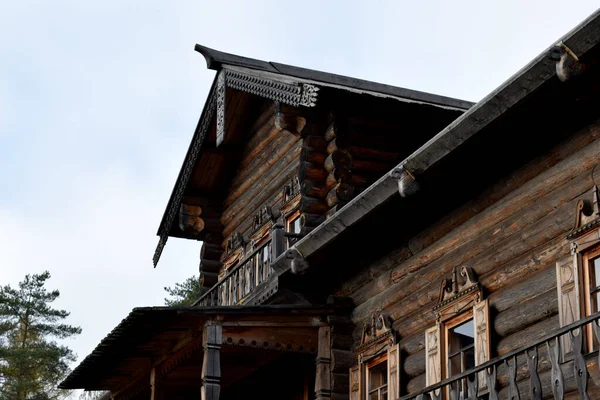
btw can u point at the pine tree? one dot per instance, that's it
(31, 363)
(184, 294)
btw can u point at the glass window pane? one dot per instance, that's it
(596, 281)
(461, 339)
(377, 375)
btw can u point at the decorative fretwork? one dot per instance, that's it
(529, 355)
(186, 172)
(294, 94)
(235, 242)
(291, 197)
(221, 89)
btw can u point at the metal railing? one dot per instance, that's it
(482, 381)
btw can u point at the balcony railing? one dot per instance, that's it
(250, 273)
(519, 371)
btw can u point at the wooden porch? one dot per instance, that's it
(214, 353)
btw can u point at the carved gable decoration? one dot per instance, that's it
(587, 215)
(234, 249)
(457, 293)
(262, 222)
(377, 336)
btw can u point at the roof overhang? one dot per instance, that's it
(151, 337)
(287, 84)
(471, 124)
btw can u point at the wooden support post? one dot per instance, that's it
(323, 373)
(211, 365)
(156, 391)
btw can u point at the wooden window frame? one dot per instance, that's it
(447, 326)
(586, 296)
(289, 220)
(378, 360)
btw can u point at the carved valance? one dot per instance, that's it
(376, 337)
(457, 293)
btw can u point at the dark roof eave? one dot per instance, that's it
(217, 59)
(580, 40)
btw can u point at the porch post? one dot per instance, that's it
(211, 365)
(155, 389)
(323, 373)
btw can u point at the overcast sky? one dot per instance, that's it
(99, 100)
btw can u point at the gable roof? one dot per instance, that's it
(280, 82)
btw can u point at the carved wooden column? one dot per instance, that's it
(211, 365)
(323, 373)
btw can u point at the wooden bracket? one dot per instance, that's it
(407, 183)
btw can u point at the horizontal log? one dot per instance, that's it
(313, 205)
(258, 141)
(370, 166)
(338, 175)
(314, 142)
(506, 239)
(210, 265)
(516, 319)
(361, 152)
(311, 172)
(262, 162)
(311, 219)
(313, 156)
(340, 382)
(342, 192)
(341, 360)
(194, 225)
(208, 279)
(314, 189)
(338, 159)
(414, 364)
(210, 251)
(271, 182)
(291, 123)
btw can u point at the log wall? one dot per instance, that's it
(511, 236)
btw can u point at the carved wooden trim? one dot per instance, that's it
(262, 222)
(587, 216)
(294, 94)
(234, 250)
(211, 364)
(457, 293)
(186, 172)
(291, 197)
(221, 89)
(376, 337)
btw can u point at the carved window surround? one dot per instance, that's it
(378, 345)
(460, 301)
(291, 198)
(575, 273)
(263, 221)
(234, 250)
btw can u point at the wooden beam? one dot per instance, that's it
(211, 364)
(323, 373)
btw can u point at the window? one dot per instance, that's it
(377, 374)
(293, 226)
(377, 379)
(591, 295)
(460, 340)
(460, 347)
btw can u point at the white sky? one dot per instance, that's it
(99, 100)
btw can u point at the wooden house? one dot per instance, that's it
(362, 241)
